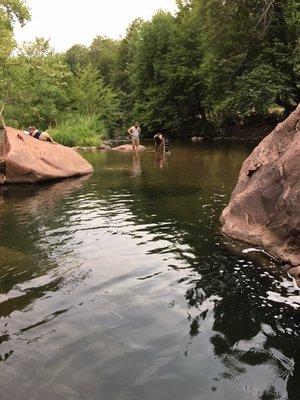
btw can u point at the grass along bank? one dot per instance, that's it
(79, 131)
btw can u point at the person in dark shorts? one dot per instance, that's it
(166, 144)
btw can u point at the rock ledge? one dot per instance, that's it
(264, 208)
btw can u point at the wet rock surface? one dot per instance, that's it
(127, 147)
(31, 160)
(264, 209)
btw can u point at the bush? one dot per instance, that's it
(79, 131)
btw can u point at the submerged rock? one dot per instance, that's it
(264, 208)
(127, 147)
(28, 159)
(105, 147)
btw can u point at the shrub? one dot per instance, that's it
(79, 130)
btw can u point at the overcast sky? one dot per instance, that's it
(66, 22)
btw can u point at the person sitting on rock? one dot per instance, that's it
(34, 132)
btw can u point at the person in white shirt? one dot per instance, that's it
(134, 133)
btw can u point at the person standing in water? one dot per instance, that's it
(134, 133)
(159, 141)
(167, 145)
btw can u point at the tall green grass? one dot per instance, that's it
(79, 131)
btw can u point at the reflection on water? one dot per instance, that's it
(119, 286)
(160, 159)
(136, 164)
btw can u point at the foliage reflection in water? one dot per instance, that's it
(119, 285)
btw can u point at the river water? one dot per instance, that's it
(119, 286)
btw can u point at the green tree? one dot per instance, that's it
(214, 64)
(121, 80)
(77, 54)
(103, 55)
(154, 103)
(247, 45)
(36, 86)
(168, 89)
(10, 12)
(86, 87)
(90, 96)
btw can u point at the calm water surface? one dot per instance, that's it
(119, 286)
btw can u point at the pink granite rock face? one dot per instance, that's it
(31, 160)
(127, 147)
(264, 208)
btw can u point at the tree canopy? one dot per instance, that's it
(11, 11)
(213, 65)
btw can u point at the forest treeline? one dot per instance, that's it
(213, 65)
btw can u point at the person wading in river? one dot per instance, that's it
(162, 143)
(159, 141)
(134, 133)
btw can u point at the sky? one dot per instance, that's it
(66, 22)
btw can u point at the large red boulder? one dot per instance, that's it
(264, 208)
(31, 160)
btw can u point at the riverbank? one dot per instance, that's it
(254, 133)
(79, 131)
